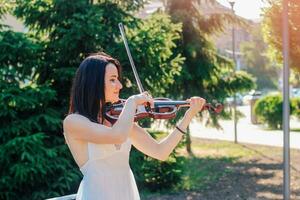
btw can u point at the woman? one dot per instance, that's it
(101, 149)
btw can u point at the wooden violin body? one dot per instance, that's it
(164, 108)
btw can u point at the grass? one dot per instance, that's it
(295, 130)
(201, 173)
(215, 162)
(211, 160)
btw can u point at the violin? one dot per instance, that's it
(164, 108)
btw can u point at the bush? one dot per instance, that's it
(269, 110)
(296, 107)
(33, 165)
(155, 175)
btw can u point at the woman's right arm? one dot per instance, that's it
(80, 128)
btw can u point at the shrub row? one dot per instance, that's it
(154, 175)
(269, 110)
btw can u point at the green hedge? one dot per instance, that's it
(269, 110)
(154, 175)
(296, 107)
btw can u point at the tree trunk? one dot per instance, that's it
(188, 141)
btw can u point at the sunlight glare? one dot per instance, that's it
(250, 9)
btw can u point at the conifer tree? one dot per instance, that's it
(36, 74)
(205, 73)
(30, 151)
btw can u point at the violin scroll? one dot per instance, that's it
(216, 109)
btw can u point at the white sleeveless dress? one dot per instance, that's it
(107, 174)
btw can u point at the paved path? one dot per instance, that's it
(247, 132)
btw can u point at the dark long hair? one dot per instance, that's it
(88, 86)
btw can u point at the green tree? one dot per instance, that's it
(152, 43)
(205, 73)
(88, 28)
(62, 33)
(256, 61)
(30, 151)
(272, 31)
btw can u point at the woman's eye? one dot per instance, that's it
(112, 80)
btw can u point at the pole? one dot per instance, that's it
(286, 106)
(234, 61)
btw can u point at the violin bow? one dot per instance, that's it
(141, 89)
(139, 83)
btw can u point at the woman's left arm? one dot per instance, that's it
(144, 142)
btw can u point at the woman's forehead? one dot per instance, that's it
(111, 69)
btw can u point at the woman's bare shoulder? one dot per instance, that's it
(81, 128)
(74, 119)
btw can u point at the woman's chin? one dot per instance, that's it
(113, 100)
(116, 100)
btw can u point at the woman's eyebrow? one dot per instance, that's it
(114, 76)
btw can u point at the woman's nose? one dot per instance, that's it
(120, 85)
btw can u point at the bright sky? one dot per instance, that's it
(250, 9)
